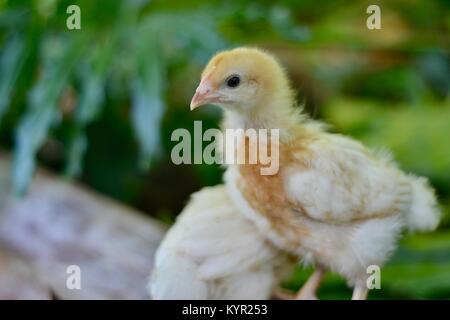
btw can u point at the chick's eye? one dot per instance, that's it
(233, 81)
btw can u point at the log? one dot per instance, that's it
(18, 280)
(58, 224)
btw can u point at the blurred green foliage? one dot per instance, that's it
(100, 103)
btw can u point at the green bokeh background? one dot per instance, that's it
(99, 104)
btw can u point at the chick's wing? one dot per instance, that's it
(346, 182)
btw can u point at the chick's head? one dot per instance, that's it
(243, 80)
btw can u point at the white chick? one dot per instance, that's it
(333, 202)
(213, 252)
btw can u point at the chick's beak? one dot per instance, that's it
(203, 95)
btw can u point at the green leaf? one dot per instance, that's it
(92, 95)
(91, 99)
(147, 102)
(77, 149)
(11, 62)
(439, 240)
(417, 279)
(199, 34)
(59, 58)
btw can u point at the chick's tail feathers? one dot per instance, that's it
(424, 214)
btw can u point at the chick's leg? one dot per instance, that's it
(309, 289)
(360, 292)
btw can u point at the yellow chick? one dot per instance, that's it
(333, 202)
(213, 252)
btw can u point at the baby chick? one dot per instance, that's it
(333, 202)
(213, 252)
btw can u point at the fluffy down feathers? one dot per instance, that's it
(333, 201)
(424, 214)
(213, 252)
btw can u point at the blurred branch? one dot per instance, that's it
(58, 224)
